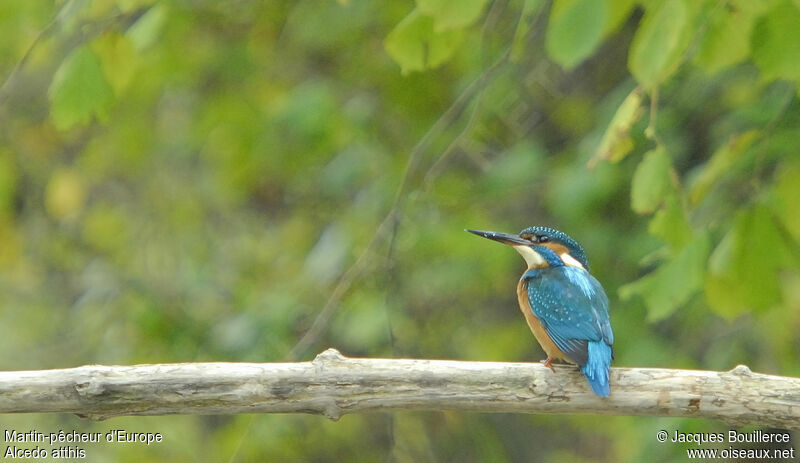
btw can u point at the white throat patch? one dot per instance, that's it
(532, 258)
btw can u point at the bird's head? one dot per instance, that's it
(530, 241)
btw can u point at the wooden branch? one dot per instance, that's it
(333, 385)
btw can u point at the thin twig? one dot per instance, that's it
(650, 132)
(5, 89)
(436, 169)
(344, 283)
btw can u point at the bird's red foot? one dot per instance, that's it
(548, 362)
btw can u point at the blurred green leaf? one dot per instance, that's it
(66, 194)
(617, 142)
(618, 12)
(8, 183)
(671, 224)
(12, 249)
(774, 42)
(787, 191)
(451, 14)
(106, 228)
(529, 10)
(575, 30)
(79, 90)
(671, 285)
(743, 269)
(416, 46)
(145, 32)
(720, 163)
(651, 181)
(726, 41)
(751, 8)
(118, 58)
(660, 41)
(130, 5)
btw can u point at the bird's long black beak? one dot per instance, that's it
(505, 238)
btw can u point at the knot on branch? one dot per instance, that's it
(742, 370)
(332, 411)
(330, 355)
(93, 386)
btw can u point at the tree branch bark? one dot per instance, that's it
(333, 385)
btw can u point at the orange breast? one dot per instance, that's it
(536, 327)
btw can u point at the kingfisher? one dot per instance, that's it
(565, 306)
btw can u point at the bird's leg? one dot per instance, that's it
(548, 362)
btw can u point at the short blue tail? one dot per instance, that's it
(596, 368)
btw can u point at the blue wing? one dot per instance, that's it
(573, 309)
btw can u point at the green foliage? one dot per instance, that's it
(727, 40)
(145, 32)
(8, 185)
(743, 273)
(775, 38)
(660, 41)
(79, 90)
(787, 190)
(119, 59)
(723, 159)
(451, 14)
(618, 12)
(419, 43)
(528, 13)
(617, 141)
(651, 181)
(575, 29)
(670, 287)
(191, 181)
(670, 223)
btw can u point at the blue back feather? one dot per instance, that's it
(573, 309)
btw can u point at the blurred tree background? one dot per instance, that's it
(254, 180)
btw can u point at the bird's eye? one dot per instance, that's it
(543, 238)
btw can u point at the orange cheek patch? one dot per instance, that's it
(558, 248)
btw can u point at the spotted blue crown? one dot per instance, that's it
(551, 234)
